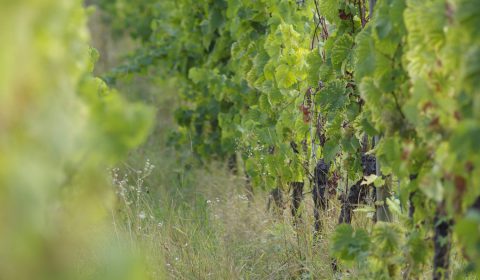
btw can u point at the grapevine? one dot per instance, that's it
(257, 76)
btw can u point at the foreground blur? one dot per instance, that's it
(59, 130)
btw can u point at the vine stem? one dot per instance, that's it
(361, 10)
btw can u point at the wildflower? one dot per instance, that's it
(142, 215)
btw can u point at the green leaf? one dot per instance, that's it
(364, 54)
(314, 64)
(332, 97)
(326, 73)
(367, 180)
(197, 75)
(330, 150)
(348, 244)
(370, 93)
(275, 98)
(342, 51)
(284, 76)
(387, 238)
(417, 248)
(365, 209)
(468, 230)
(468, 14)
(465, 138)
(383, 26)
(329, 8)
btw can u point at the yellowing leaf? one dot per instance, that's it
(284, 76)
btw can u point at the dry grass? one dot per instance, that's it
(199, 224)
(194, 221)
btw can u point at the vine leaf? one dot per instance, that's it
(364, 54)
(284, 76)
(330, 8)
(342, 51)
(330, 150)
(348, 244)
(333, 96)
(373, 179)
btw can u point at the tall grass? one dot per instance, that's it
(195, 221)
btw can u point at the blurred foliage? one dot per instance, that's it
(60, 128)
